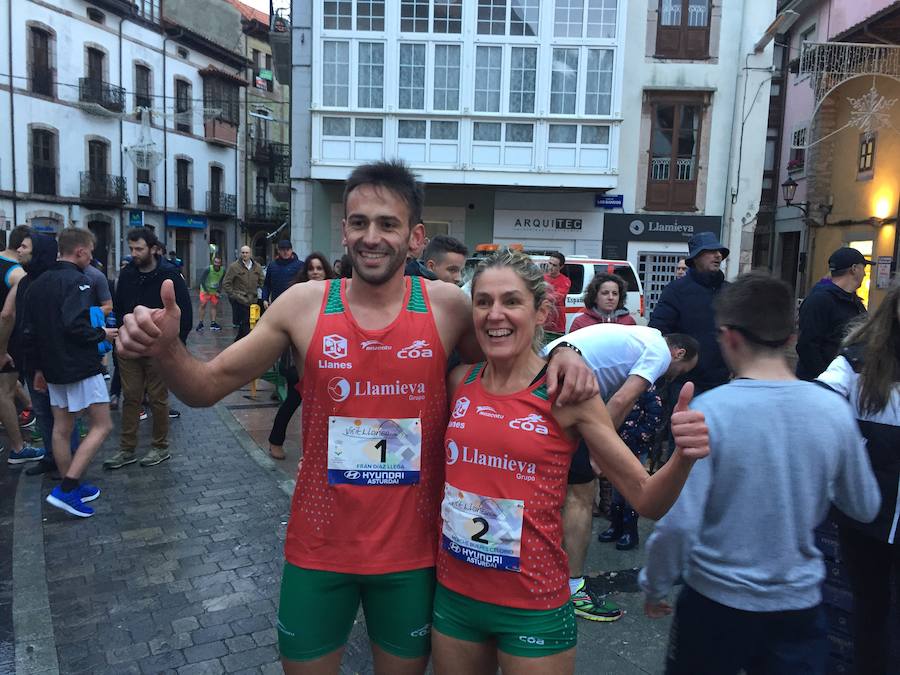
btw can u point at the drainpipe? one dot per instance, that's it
(118, 248)
(12, 116)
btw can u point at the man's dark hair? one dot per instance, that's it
(18, 235)
(440, 245)
(145, 233)
(683, 341)
(760, 307)
(73, 237)
(559, 256)
(392, 175)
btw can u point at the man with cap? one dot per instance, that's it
(281, 272)
(828, 308)
(686, 306)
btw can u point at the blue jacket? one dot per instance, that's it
(279, 275)
(686, 306)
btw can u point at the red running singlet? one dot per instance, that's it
(374, 416)
(507, 467)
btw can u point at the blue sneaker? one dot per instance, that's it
(69, 502)
(88, 492)
(26, 454)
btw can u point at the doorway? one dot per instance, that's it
(100, 230)
(183, 251)
(790, 257)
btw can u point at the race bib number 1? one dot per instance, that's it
(482, 531)
(368, 451)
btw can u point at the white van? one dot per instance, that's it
(580, 269)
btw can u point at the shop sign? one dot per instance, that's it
(265, 74)
(658, 227)
(186, 221)
(544, 224)
(135, 218)
(609, 201)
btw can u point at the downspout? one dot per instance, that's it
(118, 254)
(12, 117)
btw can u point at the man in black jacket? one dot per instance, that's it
(686, 306)
(828, 308)
(139, 284)
(61, 340)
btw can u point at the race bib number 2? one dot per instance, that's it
(482, 531)
(370, 451)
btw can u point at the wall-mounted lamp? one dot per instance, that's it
(789, 191)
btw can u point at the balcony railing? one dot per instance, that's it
(266, 213)
(42, 81)
(660, 168)
(270, 152)
(104, 94)
(221, 204)
(102, 188)
(43, 180)
(183, 198)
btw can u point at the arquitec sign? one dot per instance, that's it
(546, 224)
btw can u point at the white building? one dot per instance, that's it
(521, 114)
(78, 73)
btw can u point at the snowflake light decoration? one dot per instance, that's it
(871, 111)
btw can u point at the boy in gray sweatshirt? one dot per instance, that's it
(741, 533)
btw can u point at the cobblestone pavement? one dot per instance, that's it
(179, 569)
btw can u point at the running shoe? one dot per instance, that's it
(27, 418)
(120, 459)
(26, 454)
(174, 414)
(70, 502)
(88, 492)
(588, 605)
(155, 456)
(143, 414)
(200, 327)
(215, 326)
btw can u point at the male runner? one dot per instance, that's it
(626, 361)
(364, 513)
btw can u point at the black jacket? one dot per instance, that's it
(143, 288)
(824, 316)
(59, 337)
(686, 306)
(43, 257)
(279, 275)
(882, 433)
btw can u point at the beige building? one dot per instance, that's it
(267, 157)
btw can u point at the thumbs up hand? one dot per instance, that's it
(689, 426)
(149, 332)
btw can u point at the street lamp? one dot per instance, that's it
(789, 190)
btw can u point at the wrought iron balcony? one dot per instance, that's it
(265, 214)
(104, 94)
(184, 198)
(42, 81)
(102, 188)
(270, 152)
(43, 180)
(221, 204)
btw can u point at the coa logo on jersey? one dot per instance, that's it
(533, 423)
(420, 349)
(335, 347)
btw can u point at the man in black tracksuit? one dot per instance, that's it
(827, 310)
(61, 341)
(140, 283)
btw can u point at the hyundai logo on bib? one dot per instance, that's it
(523, 470)
(532, 422)
(338, 389)
(351, 475)
(420, 349)
(334, 347)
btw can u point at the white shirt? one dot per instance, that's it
(615, 351)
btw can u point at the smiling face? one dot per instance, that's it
(504, 313)
(608, 297)
(315, 271)
(377, 233)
